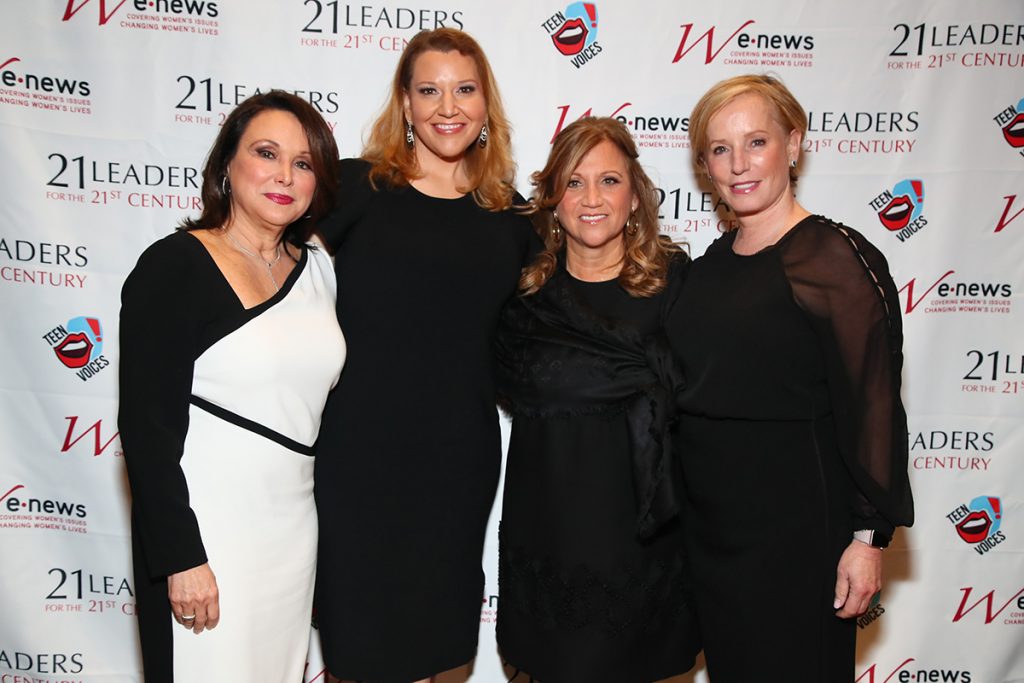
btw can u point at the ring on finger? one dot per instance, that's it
(189, 617)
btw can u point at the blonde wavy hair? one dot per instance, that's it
(490, 170)
(646, 260)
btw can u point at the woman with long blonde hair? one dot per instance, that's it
(427, 250)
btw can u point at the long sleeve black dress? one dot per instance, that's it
(793, 435)
(592, 571)
(409, 454)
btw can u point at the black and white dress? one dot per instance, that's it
(220, 408)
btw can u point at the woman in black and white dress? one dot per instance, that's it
(229, 345)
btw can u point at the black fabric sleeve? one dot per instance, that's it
(159, 332)
(354, 193)
(842, 281)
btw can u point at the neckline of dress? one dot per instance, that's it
(777, 243)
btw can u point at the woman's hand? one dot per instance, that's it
(195, 600)
(858, 578)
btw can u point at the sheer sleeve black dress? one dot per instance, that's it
(793, 435)
(409, 454)
(591, 569)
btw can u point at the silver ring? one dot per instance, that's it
(191, 616)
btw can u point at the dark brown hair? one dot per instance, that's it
(323, 159)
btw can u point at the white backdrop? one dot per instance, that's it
(107, 108)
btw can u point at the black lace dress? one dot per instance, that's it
(792, 436)
(583, 597)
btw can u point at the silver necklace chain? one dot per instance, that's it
(269, 264)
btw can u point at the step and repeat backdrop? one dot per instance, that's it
(916, 138)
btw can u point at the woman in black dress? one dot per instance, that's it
(591, 569)
(427, 252)
(793, 436)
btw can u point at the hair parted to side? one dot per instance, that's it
(646, 260)
(786, 110)
(323, 158)
(490, 170)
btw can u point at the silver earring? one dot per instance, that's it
(225, 187)
(792, 164)
(482, 139)
(410, 139)
(556, 228)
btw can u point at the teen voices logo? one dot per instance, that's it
(573, 32)
(23, 86)
(79, 346)
(900, 210)
(1011, 122)
(977, 523)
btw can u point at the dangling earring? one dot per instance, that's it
(633, 224)
(225, 187)
(410, 139)
(556, 228)
(482, 138)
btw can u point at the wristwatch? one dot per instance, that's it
(873, 538)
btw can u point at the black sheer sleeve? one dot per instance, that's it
(354, 193)
(843, 283)
(159, 331)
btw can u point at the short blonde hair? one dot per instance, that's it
(785, 109)
(490, 169)
(645, 263)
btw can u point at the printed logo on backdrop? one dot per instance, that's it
(901, 210)
(208, 101)
(950, 293)
(956, 450)
(573, 32)
(875, 133)
(994, 607)
(21, 508)
(82, 591)
(78, 346)
(977, 523)
(25, 86)
(133, 183)
(183, 17)
(956, 46)
(1011, 123)
(39, 663)
(994, 372)
(745, 46)
(97, 445)
(489, 610)
(24, 257)
(910, 670)
(874, 612)
(365, 27)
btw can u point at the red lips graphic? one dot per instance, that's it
(571, 37)
(896, 214)
(974, 527)
(74, 351)
(1014, 131)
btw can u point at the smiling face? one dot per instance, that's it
(748, 156)
(271, 175)
(597, 203)
(445, 105)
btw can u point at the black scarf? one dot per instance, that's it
(558, 357)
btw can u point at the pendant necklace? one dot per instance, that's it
(269, 264)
